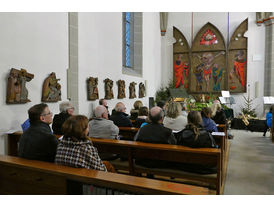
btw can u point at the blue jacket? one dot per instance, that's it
(209, 125)
(269, 119)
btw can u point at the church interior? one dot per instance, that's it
(192, 58)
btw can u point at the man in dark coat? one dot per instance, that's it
(120, 118)
(38, 142)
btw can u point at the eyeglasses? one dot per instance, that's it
(50, 113)
(71, 108)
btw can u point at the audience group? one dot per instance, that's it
(162, 124)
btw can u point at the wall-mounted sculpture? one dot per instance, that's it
(92, 88)
(121, 89)
(108, 89)
(132, 93)
(51, 91)
(17, 92)
(142, 90)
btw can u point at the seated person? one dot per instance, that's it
(218, 114)
(66, 110)
(120, 118)
(134, 112)
(155, 132)
(142, 115)
(101, 127)
(104, 103)
(194, 134)
(174, 119)
(268, 121)
(208, 123)
(75, 150)
(38, 142)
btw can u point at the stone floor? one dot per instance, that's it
(250, 168)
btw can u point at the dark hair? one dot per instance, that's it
(161, 104)
(157, 117)
(74, 127)
(270, 110)
(35, 112)
(101, 101)
(143, 111)
(195, 122)
(206, 112)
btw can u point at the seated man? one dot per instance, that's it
(120, 118)
(101, 127)
(66, 110)
(155, 132)
(38, 142)
(105, 104)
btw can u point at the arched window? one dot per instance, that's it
(132, 43)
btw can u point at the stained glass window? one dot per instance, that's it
(128, 39)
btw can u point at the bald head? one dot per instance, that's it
(101, 112)
(120, 107)
(156, 114)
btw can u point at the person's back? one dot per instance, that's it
(219, 117)
(208, 124)
(269, 119)
(38, 142)
(120, 118)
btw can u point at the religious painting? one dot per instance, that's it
(121, 89)
(51, 91)
(237, 59)
(181, 60)
(132, 92)
(142, 90)
(17, 92)
(92, 88)
(108, 89)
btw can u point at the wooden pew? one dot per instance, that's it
(22, 176)
(128, 133)
(173, 153)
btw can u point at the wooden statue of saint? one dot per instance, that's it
(17, 92)
(51, 89)
(121, 89)
(132, 94)
(92, 84)
(108, 88)
(142, 90)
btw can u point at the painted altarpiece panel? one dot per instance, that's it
(208, 61)
(237, 59)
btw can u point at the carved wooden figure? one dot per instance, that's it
(92, 84)
(142, 90)
(108, 88)
(121, 89)
(17, 92)
(132, 94)
(51, 89)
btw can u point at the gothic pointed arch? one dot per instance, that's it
(181, 60)
(237, 59)
(208, 61)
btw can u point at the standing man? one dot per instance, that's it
(38, 142)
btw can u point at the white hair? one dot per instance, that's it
(119, 107)
(99, 111)
(64, 106)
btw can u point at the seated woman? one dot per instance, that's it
(66, 110)
(194, 134)
(75, 150)
(208, 123)
(268, 123)
(142, 115)
(134, 112)
(174, 119)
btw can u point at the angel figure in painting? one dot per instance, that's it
(181, 72)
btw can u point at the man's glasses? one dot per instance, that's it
(50, 113)
(71, 108)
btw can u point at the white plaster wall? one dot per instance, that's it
(256, 45)
(37, 42)
(100, 55)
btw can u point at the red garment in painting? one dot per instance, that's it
(239, 68)
(179, 68)
(208, 72)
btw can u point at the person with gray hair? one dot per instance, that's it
(66, 110)
(101, 126)
(155, 132)
(119, 117)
